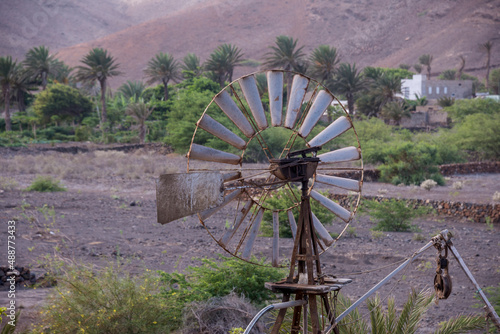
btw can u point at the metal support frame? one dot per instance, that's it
(444, 236)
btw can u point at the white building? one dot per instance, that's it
(435, 89)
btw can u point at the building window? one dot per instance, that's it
(430, 90)
(406, 92)
(446, 90)
(437, 90)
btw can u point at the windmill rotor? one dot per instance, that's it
(301, 152)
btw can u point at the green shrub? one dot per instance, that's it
(479, 133)
(410, 163)
(45, 184)
(463, 108)
(216, 279)
(108, 301)
(83, 133)
(393, 215)
(283, 199)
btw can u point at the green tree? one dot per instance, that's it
(479, 133)
(99, 66)
(386, 88)
(191, 66)
(132, 90)
(417, 68)
(486, 48)
(60, 100)
(426, 60)
(285, 55)
(40, 64)
(395, 110)
(323, 61)
(223, 61)
(409, 163)
(349, 82)
(405, 66)
(21, 86)
(140, 111)
(162, 68)
(462, 108)
(63, 74)
(7, 77)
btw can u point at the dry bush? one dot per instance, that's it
(218, 315)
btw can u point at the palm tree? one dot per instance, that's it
(487, 47)
(7, 73)
(284, 55)
(324, 59)
(348, 81)
(223, 61)
(191, 66)
(460, 67)
(63, 74)
(395, 110)
(40, 63)
(386, 88)
(99, 66)
(21, 85)
(140, 111)
(418, 68)
(373, 74)
(162, 68)
(132, 90)
(426, 60)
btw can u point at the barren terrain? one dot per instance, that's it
(109, 211)
(368, 33)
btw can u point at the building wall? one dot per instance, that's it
(435, 89)
(458, 89)
(425, 116)
(410, 87)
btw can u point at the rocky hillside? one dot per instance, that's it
(368, 32)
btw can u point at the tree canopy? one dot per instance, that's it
(62, 101)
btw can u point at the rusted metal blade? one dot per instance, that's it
(299, 88)
(275, 89)
(321, 103)
(341, 125)
(249, 87)
(181, 195)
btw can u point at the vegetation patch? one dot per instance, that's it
(45, 184)
(393, 214)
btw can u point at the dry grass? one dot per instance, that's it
(94, 165)
(218, 315)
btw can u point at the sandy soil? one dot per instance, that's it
(100, 217)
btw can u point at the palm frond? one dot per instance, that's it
(461, 324)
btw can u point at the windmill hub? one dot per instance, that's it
(293, 168)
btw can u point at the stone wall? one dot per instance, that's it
(475, 212)
(470, 168)
(372, 175)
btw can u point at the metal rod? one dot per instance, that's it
(382, 282)
(278, 306)
(491, 311)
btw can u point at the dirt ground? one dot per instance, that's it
(111, 211)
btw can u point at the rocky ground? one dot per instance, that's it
(110, 211)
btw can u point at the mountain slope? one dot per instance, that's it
(368, 32)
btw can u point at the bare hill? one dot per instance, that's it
(368, 32)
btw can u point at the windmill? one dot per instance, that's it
(232, 197)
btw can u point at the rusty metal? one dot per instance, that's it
(181, 195)
(240, 102)
(442, 280)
